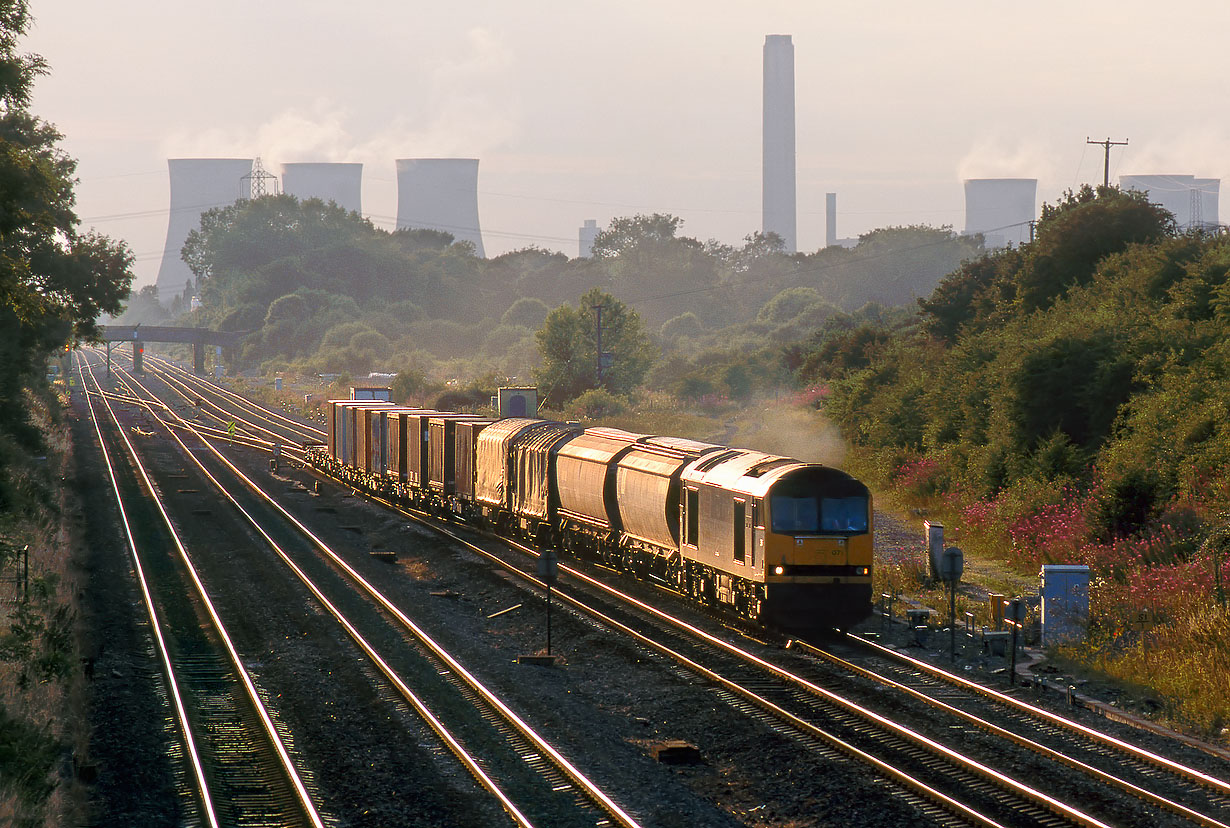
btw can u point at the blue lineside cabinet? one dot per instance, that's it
(1065, 603)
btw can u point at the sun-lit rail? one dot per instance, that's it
(275, 741)
(612, 810)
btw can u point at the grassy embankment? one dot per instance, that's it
(42, 699)
(1157, 631)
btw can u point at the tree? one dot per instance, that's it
(629, 232)
(568, 344)
(54, 280)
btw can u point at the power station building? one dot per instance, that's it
(197, 185)
(779, 202)
(340, 183)
(1001, 209)
(440, 194)
(1193, 201)
(830, 225)
(585, 238)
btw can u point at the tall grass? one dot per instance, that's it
(1155, 622)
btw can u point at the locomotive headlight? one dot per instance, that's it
(779, 570)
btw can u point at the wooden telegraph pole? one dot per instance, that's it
(1107, 144)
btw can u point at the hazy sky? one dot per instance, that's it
(588, 110)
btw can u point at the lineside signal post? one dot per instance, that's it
(951, 568)
(548, 569)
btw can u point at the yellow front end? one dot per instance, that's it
(811, 559)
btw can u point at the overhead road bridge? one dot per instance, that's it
(139, 334)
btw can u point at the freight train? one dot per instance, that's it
(783, 543)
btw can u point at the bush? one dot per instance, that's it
(597, 403)
(526, 312)
(1128, 503)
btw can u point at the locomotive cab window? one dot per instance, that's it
(810, 514)
(816, 501)
(691, 517)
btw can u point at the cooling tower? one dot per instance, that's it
(340, 183)
(585, 238)
(1000, 208)
(440, 194)
(197, 185)
(778, 189)
(1193, 201)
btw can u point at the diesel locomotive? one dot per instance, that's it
(783, 543)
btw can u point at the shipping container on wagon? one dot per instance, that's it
(400, 445)
(417, 435)
(356, 433)
(534, 494)
(465, 451)
(493, 480)
(379, 423)
(341, 432)
(332, 430)
(585, 475)
(442, 450)
(385, 430)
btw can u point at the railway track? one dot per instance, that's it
(235, 763)
(1160, 791)
(531, 779)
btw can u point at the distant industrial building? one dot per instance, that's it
(779, 203)
(1001, 209)
(197, 185)
(830, 224)
(440, 194)
(340, 183)
(585, 238)
(1193, 201)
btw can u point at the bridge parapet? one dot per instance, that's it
(197, 337)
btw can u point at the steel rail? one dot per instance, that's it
(916, 786)
(1171, 765)
(591, 790)
(186, 379)
(250, 440)
(241, 670)
(1049, 802)
(1016, 738)
(169, 367)
(181, 712)
(450, 741)
(959, 759)
(177, 387)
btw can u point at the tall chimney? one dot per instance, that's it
(778, 193)
(830, 219)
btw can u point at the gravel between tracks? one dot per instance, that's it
(604, 706)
